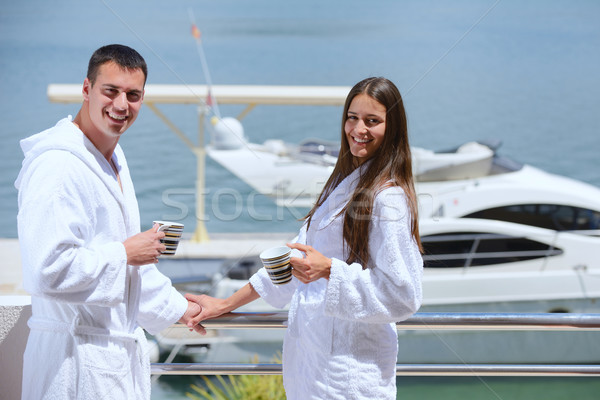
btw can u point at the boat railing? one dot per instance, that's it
(420, 321)
(586, 232)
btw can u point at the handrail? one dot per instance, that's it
(401, 369)
(420, 321)
(429, 321)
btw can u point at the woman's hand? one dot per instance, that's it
(210, 307)
(312, 266)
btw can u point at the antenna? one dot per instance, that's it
(210, 101)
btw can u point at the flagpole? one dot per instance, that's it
(200, 233)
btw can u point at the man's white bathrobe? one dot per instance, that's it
(88, 304)
(341, 341)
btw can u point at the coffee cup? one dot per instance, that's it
(276, 261)
(173, 232)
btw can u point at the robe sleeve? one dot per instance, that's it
(161, 305)
(277, 296)
(389, 291)
(60, 261)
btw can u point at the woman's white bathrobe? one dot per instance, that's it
(88, 304)
(341, 341)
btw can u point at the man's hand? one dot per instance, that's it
(192, 311)
(145, 247)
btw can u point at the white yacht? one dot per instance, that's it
(512, 239)
(294, 175)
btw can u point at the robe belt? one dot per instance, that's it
(76, 329)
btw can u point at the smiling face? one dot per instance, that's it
(113, 102)
(364, 127)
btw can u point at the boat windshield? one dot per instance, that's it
(503, 165)
(321, 147)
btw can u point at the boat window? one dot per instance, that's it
(550, 216)
(478, 249)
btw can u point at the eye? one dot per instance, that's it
(133, 97)
(352, 117)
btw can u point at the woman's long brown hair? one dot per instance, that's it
(391, 165)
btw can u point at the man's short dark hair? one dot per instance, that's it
(124, 56)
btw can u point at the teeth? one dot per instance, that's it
(361, 140)
(119, 117)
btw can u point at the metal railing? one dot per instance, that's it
(420, 321)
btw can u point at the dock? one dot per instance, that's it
(11, 277)
(220, 245)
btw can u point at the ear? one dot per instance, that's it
(87, 86)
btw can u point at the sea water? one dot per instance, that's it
(523, 73)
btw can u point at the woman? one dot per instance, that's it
(362, 266)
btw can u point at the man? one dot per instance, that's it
(88, 268)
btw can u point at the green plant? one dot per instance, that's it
(241, 387)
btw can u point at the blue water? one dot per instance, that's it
(525, 73)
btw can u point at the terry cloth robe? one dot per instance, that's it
(341, 341)
(87, 303)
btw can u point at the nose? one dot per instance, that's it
(361, 128)
(120, 102)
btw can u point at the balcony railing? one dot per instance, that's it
(420, 321)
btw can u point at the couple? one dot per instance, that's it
(94, 284)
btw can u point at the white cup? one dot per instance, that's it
(276, 261)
